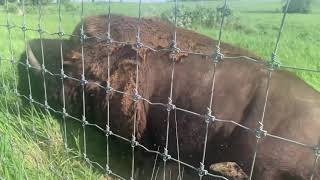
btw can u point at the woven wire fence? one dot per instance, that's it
(217, 56)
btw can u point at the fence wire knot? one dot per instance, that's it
(274, 64)
(135, 96)
(109, 89)
(170, 106)
(83, 80)
(317, 150)
(16, 92)
(46, 105)
(217, 56)
(43, 68)
(208, 117)
(83, 36)
(12, 61)
(84, 120)
(64, 112)
(61, 33)
(62, 75)
(40, 30)
(24, 28)
(30, 98)
(109, 40)
(260, 132)
(201, 170)
(108, 131)
(138, 43)
(108, 170)
(226, 10)
(133, 141)
(86, 158)
(174, 50)
(165, 155)
(28, 64)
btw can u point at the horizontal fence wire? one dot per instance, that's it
(217, 57)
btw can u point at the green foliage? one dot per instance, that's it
(199, 16)
(189, 17)
(70, 7)
(25, 150)
(13, 8)
(298, 6)
(37, 2)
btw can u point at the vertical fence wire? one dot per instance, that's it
(43, 66)
(27, 63)
(170, 106)
(108, 91)
(209, 118)
(83, 82)
(12, 59)
(62, 74)
(260, 132)
(136, 96)
(28, 67)
(315, 164)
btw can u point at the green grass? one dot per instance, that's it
(22, 154)
(25, 149)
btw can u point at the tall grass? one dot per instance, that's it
(25, 149)
(32, 147)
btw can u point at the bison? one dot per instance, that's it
(292, 108)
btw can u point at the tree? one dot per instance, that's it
(298, 6)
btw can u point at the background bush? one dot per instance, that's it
(188, 17)
(13, 8)
(298, 6)
(198, 16)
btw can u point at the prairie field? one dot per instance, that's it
(31, 142)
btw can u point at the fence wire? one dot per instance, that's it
(217, 56)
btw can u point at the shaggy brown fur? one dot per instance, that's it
(292, 110)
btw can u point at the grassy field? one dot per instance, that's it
(24, 153)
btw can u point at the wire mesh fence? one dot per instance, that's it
(173, 50)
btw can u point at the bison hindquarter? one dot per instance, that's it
(292, 109)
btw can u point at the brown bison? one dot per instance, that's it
(292, 110)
